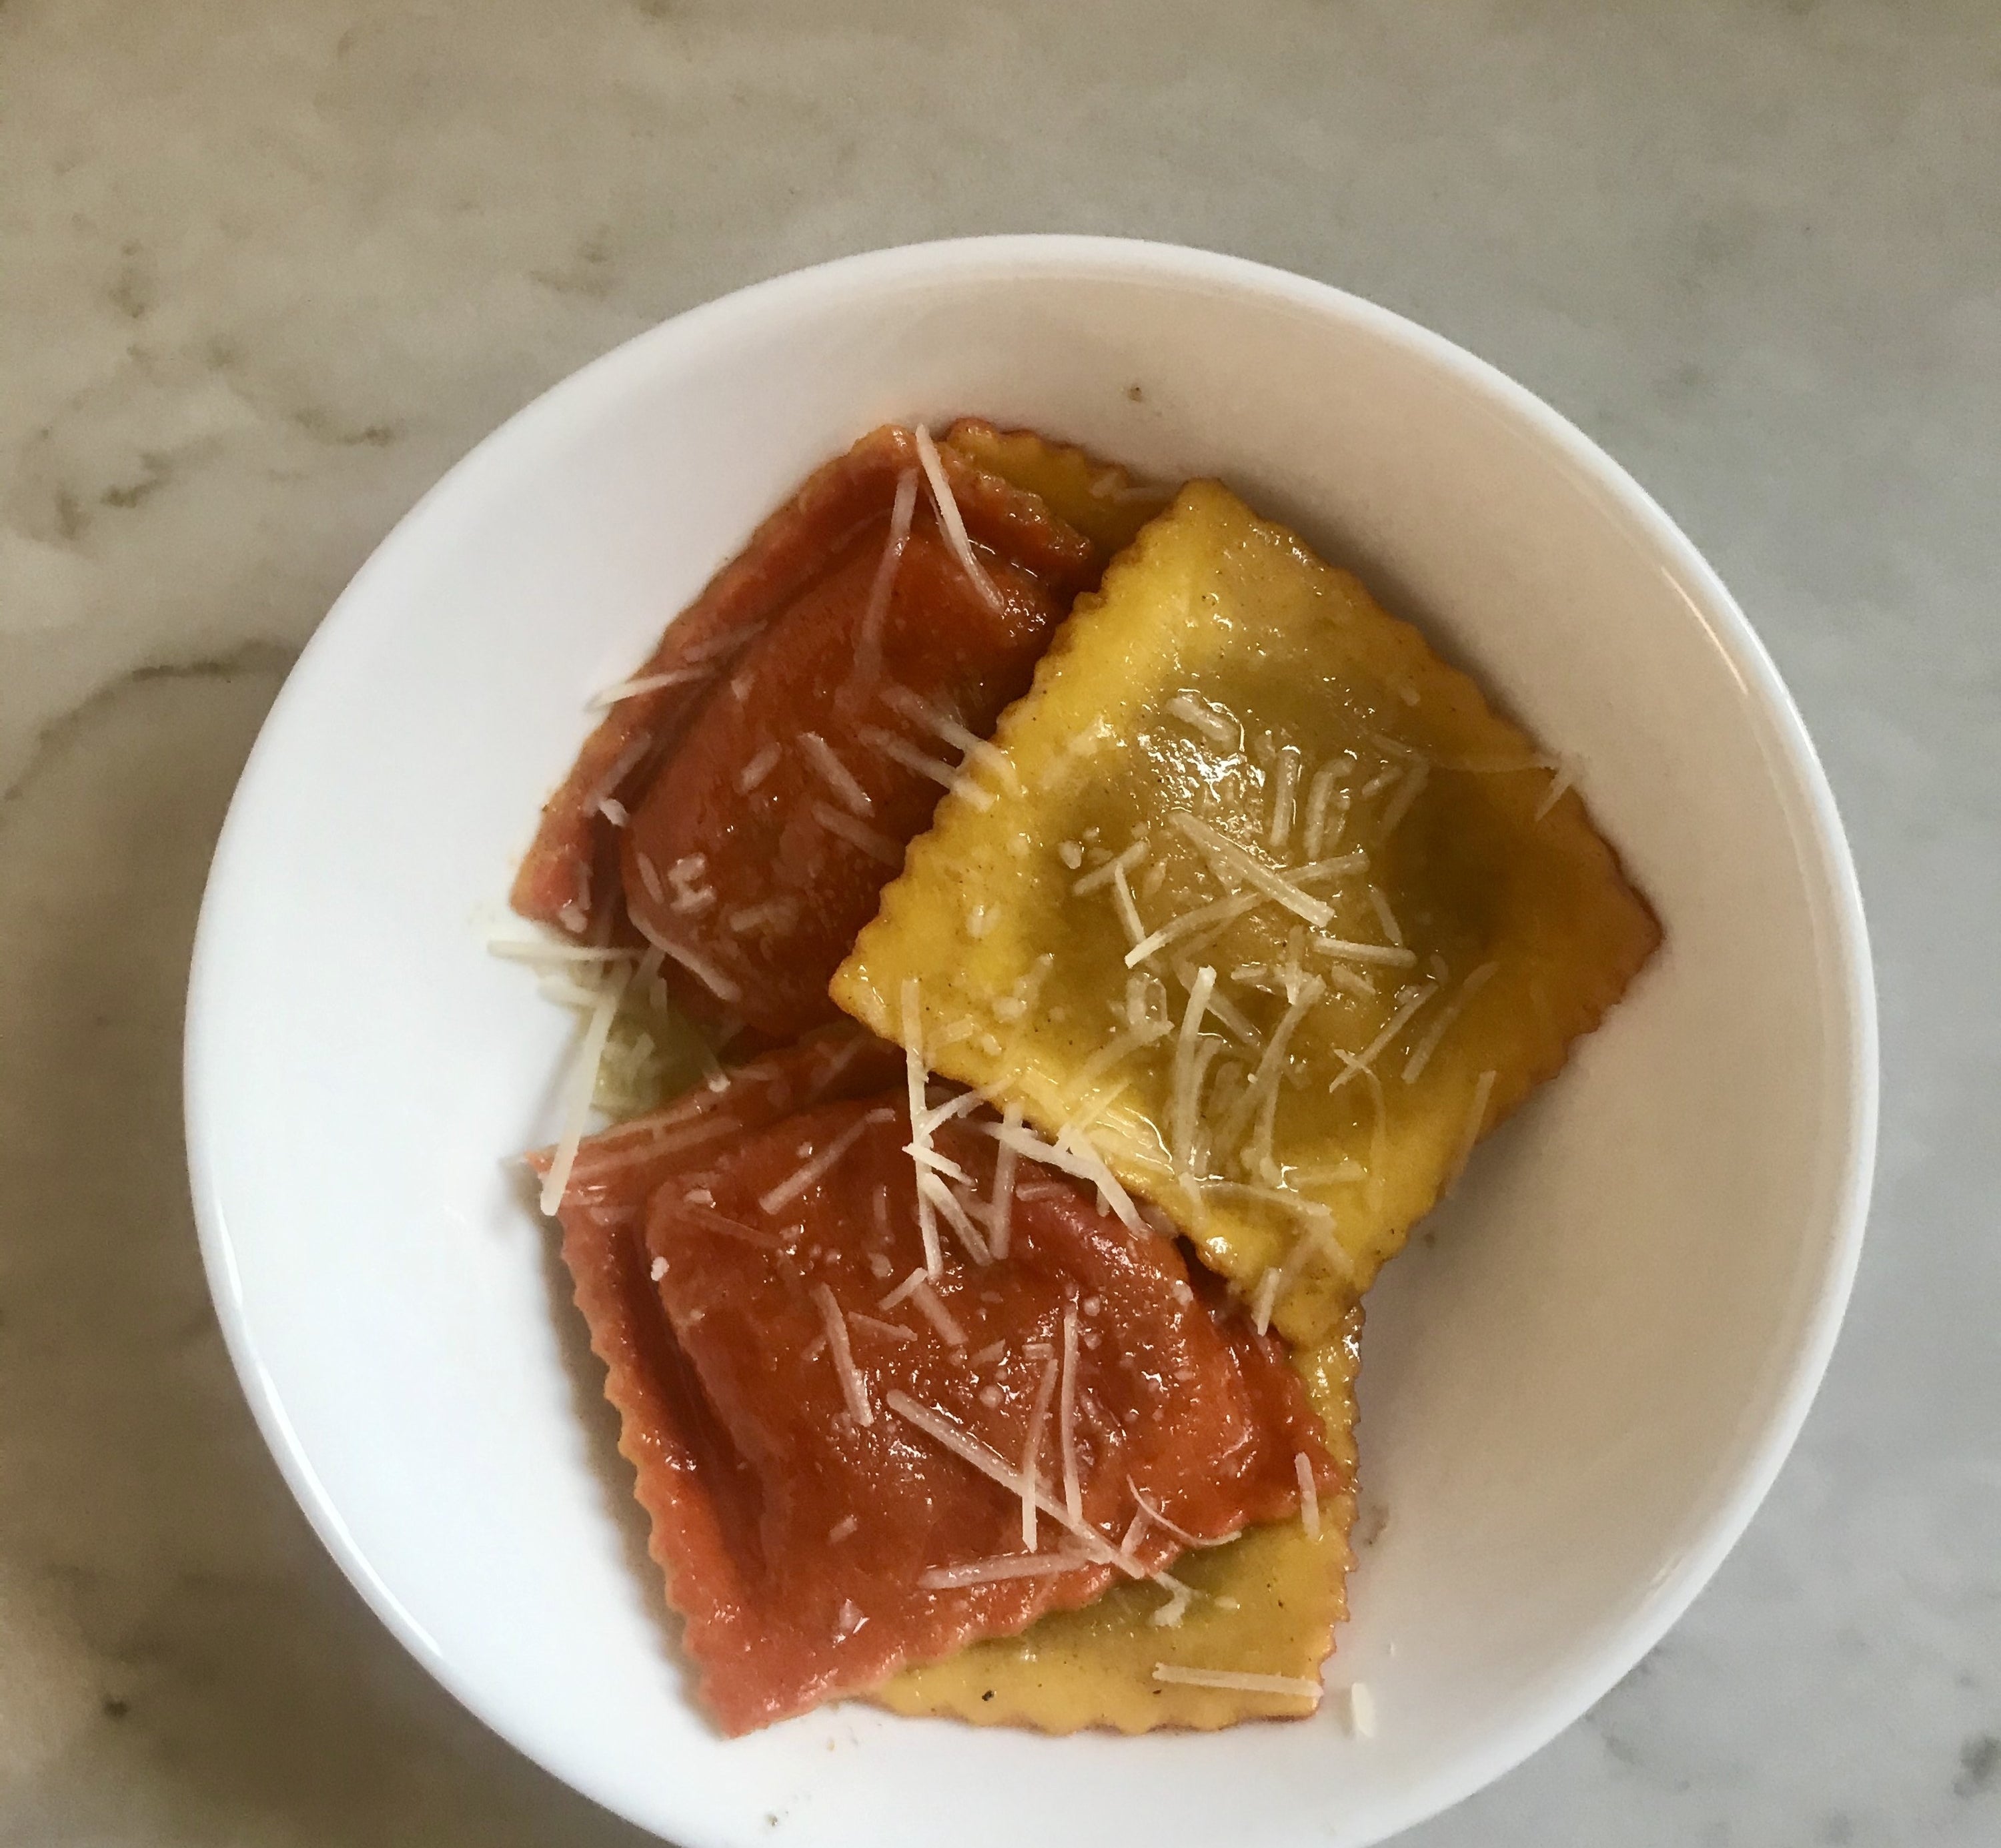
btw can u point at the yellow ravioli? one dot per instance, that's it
(1266, 1604)
(1237, 777)
(1097, 498)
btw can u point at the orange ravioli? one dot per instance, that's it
(809, 1433)
(740, 806)
(1266, 906)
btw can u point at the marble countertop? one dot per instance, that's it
(266, 266)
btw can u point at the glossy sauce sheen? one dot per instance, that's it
(750, 1461)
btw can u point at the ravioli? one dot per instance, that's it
(806, 1430)
(1261, 901)
(741, 805)
(1266, 1604)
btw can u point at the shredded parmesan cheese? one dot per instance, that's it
(1000, 1212)
(759, 767)
(930, 1306)
(1361, 1711)
(1212, 724)
(1271, 1067)
(1214, 915)
(533, 949)
(889, 1330)
(1224, 854)
(1285, 790)
(1181, 1097)
(1179, 1595)
(1420, 1053)
(956, 1216)
(974, 749)
(1129, 912)
(970, 1451)
(1386, 917)
(805, 1177)
(699, 967)
(852, 1388)
(1066, 1415)
(1389, 955)
(930, 1161)
(1120, 1045)
(955, 527)
(628, 760)
(1315, 839)
(576, 1102)
(1237, 1681)
(1104, 875)
(1566, 775)
(1281, 1198)
(872, 841)
(775, 913)
(913, 1079)
(650, 683)
(989, 1572)
(1266, 1299)
(1407, 791)
(1151, 1510)
(1309, 1495)
(900, 751)
(835, 774)
(869, 641)
(1412, 1000)
(1073, 1154)
(1032, 1453)
(964, 1101)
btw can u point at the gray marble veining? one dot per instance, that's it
(267, 265)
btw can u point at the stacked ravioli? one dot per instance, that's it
(1101, 932)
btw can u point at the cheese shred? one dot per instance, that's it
(1309, 1495)
(954, 525)
(648, 683)
(968, 1449)
(813, 1171)
(852, 1388)
(1066, 1415)
(1226, 855)
(1237, 1681)
(1031, 1452)
(582, 1087)
(835, 774)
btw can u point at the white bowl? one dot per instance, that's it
(1574, 1395)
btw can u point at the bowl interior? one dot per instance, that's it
(1577, 1381)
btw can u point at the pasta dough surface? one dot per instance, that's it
(1261, 900)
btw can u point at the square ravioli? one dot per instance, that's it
(837, 1464)
(1264, 906)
